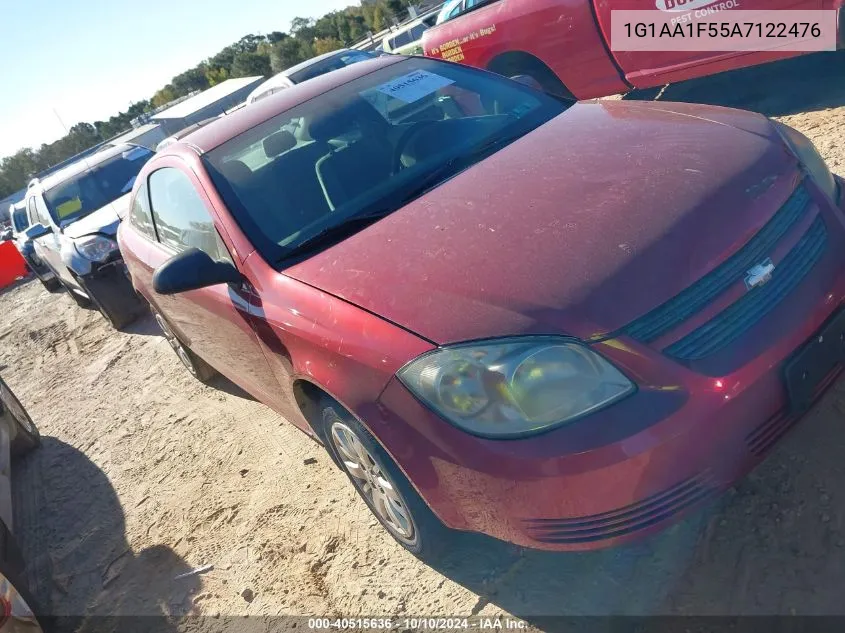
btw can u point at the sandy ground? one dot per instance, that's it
(145, 474)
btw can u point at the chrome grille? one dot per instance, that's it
(693, 299)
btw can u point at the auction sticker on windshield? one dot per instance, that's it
(414, 86)
(66, 208)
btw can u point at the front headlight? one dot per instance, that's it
(514, 387)
(809, 156)
(97, 248)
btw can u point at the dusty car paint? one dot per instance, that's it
(577, 229)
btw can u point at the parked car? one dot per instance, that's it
(314, 67)
(20, 224)
(513, 37)
(407, 40)
(18, 435)
(183, 133)
(453, 8)
(562, 325)
(76, 211)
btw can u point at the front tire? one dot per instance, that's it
(383, 486)
(78, 299)
(50, 285)
(196, 366)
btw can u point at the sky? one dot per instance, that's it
(86, 60)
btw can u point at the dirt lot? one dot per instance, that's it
(145, 474)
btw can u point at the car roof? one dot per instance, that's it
(82, 165)
(276, 81)
(409, 25)
(314, 60)
(191, 128)
(226, 128)
(283, 79)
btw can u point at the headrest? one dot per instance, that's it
(337, 123)
(236, 172)
(279, 143)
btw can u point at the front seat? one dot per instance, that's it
(354, 167)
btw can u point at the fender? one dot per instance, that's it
(424, 470)
(71, 258)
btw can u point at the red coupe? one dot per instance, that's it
(560, 324)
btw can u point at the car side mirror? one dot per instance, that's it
(191, 270)
(38, 230)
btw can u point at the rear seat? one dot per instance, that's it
(302, 192)
(288, 187)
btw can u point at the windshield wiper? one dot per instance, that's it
(391, 203)
(333, 233)
(382, 208)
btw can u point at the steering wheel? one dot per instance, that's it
(404, 139)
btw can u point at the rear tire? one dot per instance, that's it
(196, 366)
(382, 485)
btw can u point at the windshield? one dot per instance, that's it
(19, 219)
(93, 189)
(367, 146)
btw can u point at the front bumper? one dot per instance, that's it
(109, 286)
(628, 470)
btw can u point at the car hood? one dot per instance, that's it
(579, 227)
(104, 220)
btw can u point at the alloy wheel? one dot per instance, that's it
(373, 481)
(177, 347)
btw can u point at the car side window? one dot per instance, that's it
(39, 210)
(32, 212)
(140, 216)
(400, 40)
(417, 32)
(179, 215)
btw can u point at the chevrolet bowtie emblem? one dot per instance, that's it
(759, 274)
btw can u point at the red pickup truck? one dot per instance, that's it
(564, 45)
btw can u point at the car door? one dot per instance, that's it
(643, 68)
(214, 322)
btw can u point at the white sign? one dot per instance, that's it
(414, 86)
(683, 5)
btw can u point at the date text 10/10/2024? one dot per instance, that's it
(418, 624)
